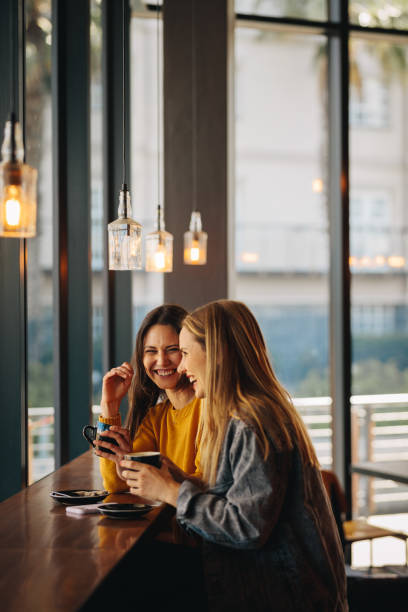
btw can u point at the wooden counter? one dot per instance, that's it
(50, 561)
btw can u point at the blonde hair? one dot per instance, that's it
(240, 382)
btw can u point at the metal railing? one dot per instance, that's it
(379, 433)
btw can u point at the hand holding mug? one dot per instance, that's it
(148, 481)
(178, 474)
(112, 446)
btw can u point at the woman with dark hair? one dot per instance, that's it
(270, 539)
(163, 412)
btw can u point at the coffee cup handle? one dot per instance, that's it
(89, 437)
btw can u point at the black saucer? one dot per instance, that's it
(124, 511)
(75, 497)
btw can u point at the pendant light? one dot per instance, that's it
(195, 240)
(159, 244)
(18, 180)
(125, 234)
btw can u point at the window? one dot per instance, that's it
(40, 315)
(147, 287)
(374, 320)
(281, 231)
(305, 9)
(377, 13)
(282, 220)
(378, 261)
(369, 107)
(97, 229)
(371, 234)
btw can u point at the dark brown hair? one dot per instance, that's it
(143, 393)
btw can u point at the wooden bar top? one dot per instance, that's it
(52, 561)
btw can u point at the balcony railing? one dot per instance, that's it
(379, 433)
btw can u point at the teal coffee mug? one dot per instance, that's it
(93, 434)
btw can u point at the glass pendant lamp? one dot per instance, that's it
(18, 186)
(18, 180)
(159, 247)
(125, 237)
(195, 240)
(124, 234)
(159, 244)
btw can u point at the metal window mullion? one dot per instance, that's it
(13, 340)
(338, 201)
(71, 226)
(21, 97)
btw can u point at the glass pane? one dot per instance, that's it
(40, 255)
(97, 229)
(303, 9)
(378, 260)
(147, 286)
(281, 232)
(142, 7)
(380, 14)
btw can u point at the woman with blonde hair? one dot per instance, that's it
(270, 540)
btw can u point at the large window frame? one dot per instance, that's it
(337, 28)
(72, 275)
(71, 231)
(13, 352)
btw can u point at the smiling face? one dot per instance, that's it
(193, 362)
(161, 356)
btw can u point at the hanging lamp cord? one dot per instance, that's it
(123, 97)
(193, 109)
(13, 80)
(158, 116)
(11, 63)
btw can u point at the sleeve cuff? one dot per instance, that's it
(186, 492)
(113, 420)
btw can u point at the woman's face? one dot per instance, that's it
(161, 356)
(193, 362)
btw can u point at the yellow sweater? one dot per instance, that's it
(164, 429)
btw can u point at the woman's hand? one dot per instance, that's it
(177, 473)
(115, 385)
(149, 482)
(122, 437)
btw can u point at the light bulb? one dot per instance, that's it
(192, 253)
(18, 186)
(159, 252)
(396, 261)
(13, 206)
(159, 247)
(317, 185)
(159, 258)
(195, 251)
(195, 242)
